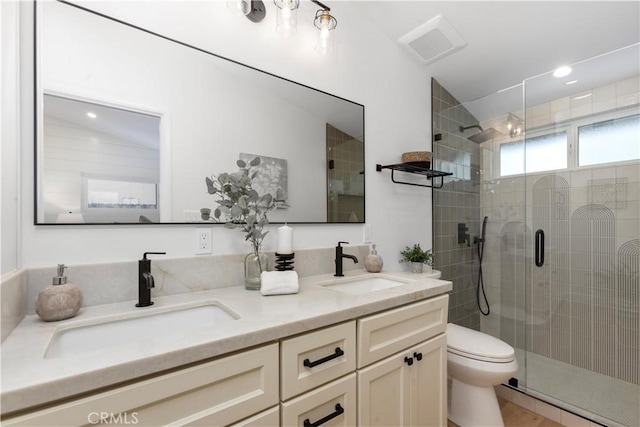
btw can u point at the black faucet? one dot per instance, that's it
(339, 256)
(145, 280)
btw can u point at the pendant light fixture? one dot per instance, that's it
(286, 17)
(326, 24)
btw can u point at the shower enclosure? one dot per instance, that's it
(559, 179)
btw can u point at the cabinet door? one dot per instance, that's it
(406, 389)
(428, 395)
(332, 405)
(383, 393)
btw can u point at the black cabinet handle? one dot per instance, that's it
(339, 411)
(418, 356)
(408, 360)
(309, 364)
(539, 248)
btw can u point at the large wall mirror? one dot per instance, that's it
(129, 125)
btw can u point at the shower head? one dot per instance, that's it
(483, 135)
(463, 128)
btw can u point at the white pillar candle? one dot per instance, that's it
(285, 240)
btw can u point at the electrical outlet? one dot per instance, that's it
(366, 234)
(203, 241)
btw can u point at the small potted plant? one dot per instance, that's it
(417, 257)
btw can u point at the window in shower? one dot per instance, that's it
(543, 153)
(609, 141)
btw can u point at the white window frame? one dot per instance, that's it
(571, 128)
(546, 130)
(142, 211)
(597, 119)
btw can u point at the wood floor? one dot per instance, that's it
(517, 416)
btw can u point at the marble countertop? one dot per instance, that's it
(29, 379)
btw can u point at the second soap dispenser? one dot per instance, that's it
(373, 261)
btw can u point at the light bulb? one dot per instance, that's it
(286, 18)
(326, 24)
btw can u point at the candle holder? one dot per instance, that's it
(284, 262)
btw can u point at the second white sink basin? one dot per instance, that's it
(136, 327)
(363, 285)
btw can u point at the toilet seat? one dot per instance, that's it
(477, 345)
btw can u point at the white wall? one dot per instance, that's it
(212, 115)
(365, 67)
(10, 147)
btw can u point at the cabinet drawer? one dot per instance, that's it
(268, 418)
(329, 354)
(213, 393)
(331, 405)
(387, 333)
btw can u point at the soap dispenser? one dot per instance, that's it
(373, 261)
(60, 300)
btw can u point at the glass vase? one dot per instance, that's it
(254, 264)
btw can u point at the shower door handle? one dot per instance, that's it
(539, 248)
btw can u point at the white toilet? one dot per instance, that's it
(476, 362)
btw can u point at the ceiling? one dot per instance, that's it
(133, 129)
(509, 41)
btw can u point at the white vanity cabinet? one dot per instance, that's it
(384, 369)
(395, 375)
(220, 392)
(402, 366)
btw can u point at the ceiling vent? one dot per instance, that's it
(433, 40)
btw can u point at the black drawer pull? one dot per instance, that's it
(408, 360)
(309, 364)
(418, 356)
(339, 411)
(539, 248)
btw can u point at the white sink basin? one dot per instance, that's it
(137, 327)
(363, 285)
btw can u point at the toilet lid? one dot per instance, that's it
(477, 345)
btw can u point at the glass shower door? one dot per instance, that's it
(582, 161)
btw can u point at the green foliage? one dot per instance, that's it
(239, 204)
(417, 254)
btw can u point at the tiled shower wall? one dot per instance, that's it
(582, 306)
(345, 177)
(457, 202)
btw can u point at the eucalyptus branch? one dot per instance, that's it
(239, 204)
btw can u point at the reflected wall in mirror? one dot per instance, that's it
(167, 116)
(101, 163)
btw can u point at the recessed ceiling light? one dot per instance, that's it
(571, 82)
(91, 115)
(562, 71)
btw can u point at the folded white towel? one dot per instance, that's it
(278, 282)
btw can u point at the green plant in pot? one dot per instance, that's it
(241, 206)
(417, 257)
